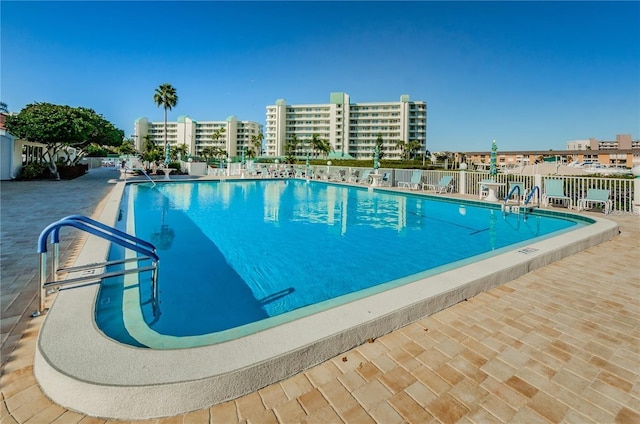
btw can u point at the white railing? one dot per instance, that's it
(467, 182)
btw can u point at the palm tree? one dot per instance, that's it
(182, 150)
(291, 148)
(402, 145)
(257, 142)
(166, 97)
(217, 134)
(411, 147)
(207, 152)
(380, 145)
(316, 144)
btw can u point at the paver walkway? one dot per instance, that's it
(560, 344)
(26, 208)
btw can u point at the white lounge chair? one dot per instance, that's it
(596, 196)
(414, 183)
(339, 176)
(443, 186)
(364, 177)
(554, 190)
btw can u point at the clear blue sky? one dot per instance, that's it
(531, 75)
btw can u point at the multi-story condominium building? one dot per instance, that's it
(230, 135)
(351, 129)
(622, 142)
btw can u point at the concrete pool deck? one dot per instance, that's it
(559, 343)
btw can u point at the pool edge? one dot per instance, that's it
(147, 388)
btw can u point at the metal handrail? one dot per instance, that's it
(533, 190)
(516, 187)
(96, 228)
(104, 227)
(138, 169)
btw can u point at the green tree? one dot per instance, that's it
(256, 140)
(215, 137)
(3, 107)
(127, 148)
(319, 145)
(402, 145)
(150, 152)
(59, 127)
(290, 149)
(166, 97)
(414, 145)
(181, 150)
(207, 152)
(408, 148)
(316, 144)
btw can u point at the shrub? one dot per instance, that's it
(73, 171)
(34, 171)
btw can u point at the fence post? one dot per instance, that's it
(537, 181)
(462, 187)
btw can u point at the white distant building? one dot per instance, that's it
(350, 128)
(198, 134)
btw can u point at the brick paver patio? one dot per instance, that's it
(560, 344)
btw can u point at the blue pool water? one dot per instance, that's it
(239, 252)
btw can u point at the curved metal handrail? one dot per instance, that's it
(100, 225)
(515, 187)
(99, 229)
(42, 239)
(533, 190)
(137, 169)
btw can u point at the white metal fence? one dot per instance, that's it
(575, 187)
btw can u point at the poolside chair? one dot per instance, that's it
(554, 190)
(364, 177)
(339, 176)
(515, 194)
(596, 196)
(385, 181)
(443, 186)
(414, 183)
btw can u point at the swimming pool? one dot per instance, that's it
(241, 256)
(81, 369)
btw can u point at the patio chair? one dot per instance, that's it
(554, 190)
(443, 186)
(386, 180)
(414, 183)
(596, 196)
(364, 177)
(339, 176)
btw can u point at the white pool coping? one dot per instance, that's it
(81, 369)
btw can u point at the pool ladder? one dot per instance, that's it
(126, 168)
(146, 250)
(525, 206)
